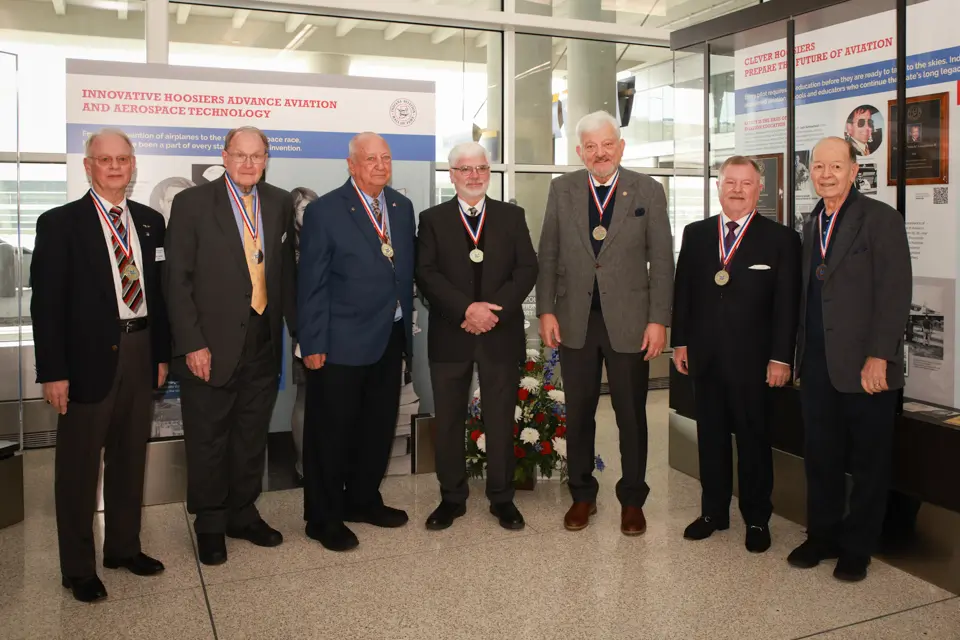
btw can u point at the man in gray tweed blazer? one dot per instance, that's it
(605, 286)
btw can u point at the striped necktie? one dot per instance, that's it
(130, 285)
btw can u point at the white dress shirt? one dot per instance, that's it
(125, 312)
(608, 182)
(480, 206)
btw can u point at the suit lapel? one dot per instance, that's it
(271, 215)
(99, 253)
(145, 237)
(845, 234)
(579, 196)
(223, 212)
(621, 208)
(358, 214)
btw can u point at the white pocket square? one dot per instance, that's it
(760, 267)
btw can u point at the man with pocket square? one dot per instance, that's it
(734, 329)
(603, 297)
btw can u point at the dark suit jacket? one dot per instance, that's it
(208, 281)
(348, 291)
(866, 293)
(76, 324)
(445, 275)
(750, 321)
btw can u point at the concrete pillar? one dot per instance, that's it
(494, 143)
(334, 64)
(591, 74)
(157, 26)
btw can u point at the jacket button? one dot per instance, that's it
(242, 325)
(596, 266)
(114, 348)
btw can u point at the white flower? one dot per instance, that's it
(533, 354)
(560, 446)
(517, 413)
(482, 442)
(530, 436)
(530, 384)
(557, 396)
(476, 394)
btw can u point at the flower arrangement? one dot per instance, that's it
(540, 424)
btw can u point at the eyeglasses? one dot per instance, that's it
(608, 147)
(106, 161)
(242, 158)
(482, 170)
(863, 122)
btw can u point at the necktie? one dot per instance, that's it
(378, 214)
(731, 236)
(825, 226)
(130, 285)
(251, 248)
(473, 211)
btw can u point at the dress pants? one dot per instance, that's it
(120, 425)
(225, 433)
(350, 423)
(728, 403)
(845, 430)
(499, 381)
(628, 377)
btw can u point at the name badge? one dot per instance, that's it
(160, 255)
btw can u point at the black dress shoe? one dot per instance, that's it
(212, 548)
(140, 564)
(88, 589)
(703, 527)
(259, 533)
(811, 553)
(758, 538)
(336, 537)
(380, 516)
(444, 515)
(508, 514)
(851, 567)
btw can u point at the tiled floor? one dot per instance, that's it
(474, 580)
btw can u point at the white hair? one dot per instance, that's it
(352, 147)
(596, 121)
(107, 132)
(465, 149)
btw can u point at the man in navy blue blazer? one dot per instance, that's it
(355, 299)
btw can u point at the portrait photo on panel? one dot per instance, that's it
(161, 198)
(864, 129)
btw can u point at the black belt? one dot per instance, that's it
(132, 326)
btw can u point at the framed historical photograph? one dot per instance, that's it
(928, 134)
(770, 204)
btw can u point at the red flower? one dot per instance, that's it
(548, 387)
(545, 448)
(523, 394)
(560, 432)
(475, 434)
(518, 452)
(531, 365)
(516, 429)
(539, 417)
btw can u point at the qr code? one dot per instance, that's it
(940, 195)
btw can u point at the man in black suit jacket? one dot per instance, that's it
(857, 283)
(475, 265)
(102, 343)
(734, 330)
(230, 284)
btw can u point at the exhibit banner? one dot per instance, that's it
(846, 87)
(178, 117)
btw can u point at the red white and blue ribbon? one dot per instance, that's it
(825, 241)
(726, 254)
(606, 201)
(466, 224)
(124, 240)
(252, 224)
(379, 227)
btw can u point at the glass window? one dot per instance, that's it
(44, 36)
(648, 13)
(466, 65)
(560, 80)
(688, 88)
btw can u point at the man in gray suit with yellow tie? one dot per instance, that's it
(603, 296)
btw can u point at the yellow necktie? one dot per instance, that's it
(251, 248)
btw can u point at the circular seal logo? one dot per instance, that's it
(915, 112)
(403, 112)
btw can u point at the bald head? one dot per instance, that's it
(369, 162)
(833, 168)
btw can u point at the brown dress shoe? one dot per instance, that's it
(632, 522)
(578, 517)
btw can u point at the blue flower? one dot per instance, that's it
(598, 463)
(538, 447)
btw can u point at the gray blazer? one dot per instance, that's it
(634, 269)
(866, 294)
